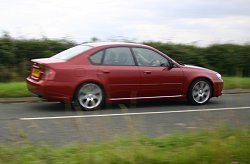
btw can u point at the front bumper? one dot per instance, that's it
(218, 87)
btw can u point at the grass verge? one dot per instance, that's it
(224, 145)
(236, 82)
(14, 89)
(19, 89)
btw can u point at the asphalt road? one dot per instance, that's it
(58, 124)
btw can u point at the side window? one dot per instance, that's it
(96, 58)
(118, 56)
(150, 58)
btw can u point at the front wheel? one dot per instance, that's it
(89, 96)
(199, 92)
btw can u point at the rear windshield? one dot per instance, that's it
(72, 52)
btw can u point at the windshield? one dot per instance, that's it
(72, 52)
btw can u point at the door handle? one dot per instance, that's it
(147, 72)
(105, 71)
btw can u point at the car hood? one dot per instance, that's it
(197, 68)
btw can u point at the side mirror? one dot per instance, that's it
(171, 64)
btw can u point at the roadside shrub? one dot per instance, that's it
(15, 55)
(227, 59)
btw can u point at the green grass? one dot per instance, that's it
(236, 82)
(224, 145)
(19, 89)
(14, 89)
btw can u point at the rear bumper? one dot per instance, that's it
(50, 90)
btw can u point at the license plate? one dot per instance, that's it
(35, 72)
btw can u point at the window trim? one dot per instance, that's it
(133, 57)
(94, 54)
(133, 54)
(153, 51)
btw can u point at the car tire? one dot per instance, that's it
(89, 96)
(199, 92)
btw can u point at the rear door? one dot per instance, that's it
(119, 73)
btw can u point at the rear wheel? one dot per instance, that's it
(199, 92)
(89, 96)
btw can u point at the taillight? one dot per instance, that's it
(37, 71)
(48, 74)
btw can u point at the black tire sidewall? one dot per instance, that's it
(77, 103)
(190, 96)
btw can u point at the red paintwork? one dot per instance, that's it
(118, 82)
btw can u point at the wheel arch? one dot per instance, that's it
(89, 81)
(196, 78)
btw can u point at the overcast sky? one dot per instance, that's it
(180, 21)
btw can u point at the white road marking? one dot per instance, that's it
(130, 114)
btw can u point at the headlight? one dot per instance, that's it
(218, 75)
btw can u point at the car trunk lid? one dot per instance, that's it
(41, 68)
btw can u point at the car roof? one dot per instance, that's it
(98, 44)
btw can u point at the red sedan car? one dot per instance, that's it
(94, 73)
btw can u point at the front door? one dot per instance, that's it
(158, 77)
